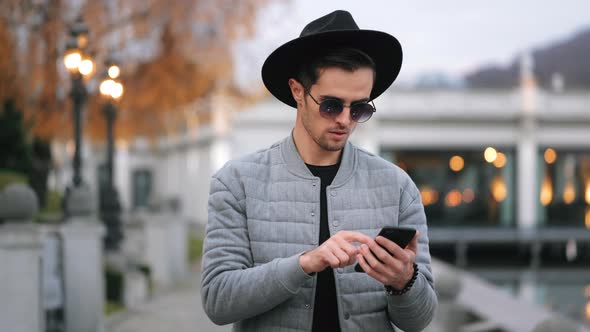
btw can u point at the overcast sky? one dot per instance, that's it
(452, 36)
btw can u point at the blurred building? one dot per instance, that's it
(506, 158)
(480, 158)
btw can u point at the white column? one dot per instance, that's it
(204, 182)
(220, 153)
(222, 124)
(527, 149)
(123, 173)
(527, 181)
(365, 136)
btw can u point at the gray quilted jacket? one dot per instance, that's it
(264, 212)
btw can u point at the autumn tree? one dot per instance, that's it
(171, 53)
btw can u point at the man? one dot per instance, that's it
(287, 224)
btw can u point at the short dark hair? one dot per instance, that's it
(349, 59)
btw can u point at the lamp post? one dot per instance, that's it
(110, 208)
(80, 66)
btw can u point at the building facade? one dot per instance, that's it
(507, 158)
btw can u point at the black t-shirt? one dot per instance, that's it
(325, 312)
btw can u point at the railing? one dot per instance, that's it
(534, 240)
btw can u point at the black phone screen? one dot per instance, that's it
(400, 235)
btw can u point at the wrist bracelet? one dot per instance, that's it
(392, 291)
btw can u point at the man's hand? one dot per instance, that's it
(337, 251)
(392, 267)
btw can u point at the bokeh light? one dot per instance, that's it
(490, 154)
(456, 163)
(500, 160)
(550, 156)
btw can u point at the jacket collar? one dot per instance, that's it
(296, 165)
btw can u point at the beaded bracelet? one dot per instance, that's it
(392, 291)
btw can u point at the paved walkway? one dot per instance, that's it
(178, 310)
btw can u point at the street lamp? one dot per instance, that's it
(110, 208)
(80, 66)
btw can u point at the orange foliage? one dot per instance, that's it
(8, 72)
(187, 57)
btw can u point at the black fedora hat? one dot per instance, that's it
(335, 30)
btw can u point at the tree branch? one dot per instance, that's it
(130, 19)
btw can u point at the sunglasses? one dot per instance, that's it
(331, 108)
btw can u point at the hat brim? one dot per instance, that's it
(283, 63)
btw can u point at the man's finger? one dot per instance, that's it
(370, 258)
(342, 256)
(369, 270)
(363, 263)
(331, 259)
(350, 236)
(391, 246)
(386, 255)
(350, 249)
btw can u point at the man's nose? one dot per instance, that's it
(344, 117)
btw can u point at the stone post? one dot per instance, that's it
(159, 239)
(177, 240)
(83, 264)
(157, 248)
(136, 284)
(21, 307)
(178, 248)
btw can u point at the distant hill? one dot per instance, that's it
(570, 58)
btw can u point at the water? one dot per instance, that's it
(565, 290)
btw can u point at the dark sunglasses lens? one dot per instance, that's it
(331, 108)
(361, 112)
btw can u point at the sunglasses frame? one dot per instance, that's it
(332, 115)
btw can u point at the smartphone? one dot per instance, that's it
(400, 235)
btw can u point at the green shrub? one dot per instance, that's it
(195, 247)
(52, 212)
(146, 270)
(112, 307)
(114, 285)
(9, 177)
(53, 202)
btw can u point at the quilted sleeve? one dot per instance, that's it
(231, 288)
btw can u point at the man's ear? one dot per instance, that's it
(296, 90)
